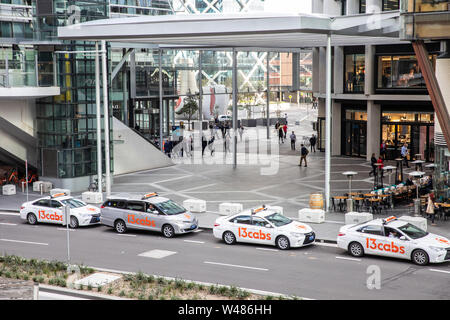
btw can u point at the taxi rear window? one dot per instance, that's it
(114, 204)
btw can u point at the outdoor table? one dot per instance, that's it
(358, 201)
(354, 193)
(418, 156)
(369, 195)
(418, 164)
(341, 202)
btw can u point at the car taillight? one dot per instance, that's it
(102, 207)
(340, 234)
(22, 207)
(216, 224)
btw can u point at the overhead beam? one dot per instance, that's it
(120, 64)
(433, 88)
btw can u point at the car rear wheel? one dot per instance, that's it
(168, 231)
(283, 243)
(229, 237)
(74, 222)
(120, 226)
(420, 257)
(31, 218)
(356, 249)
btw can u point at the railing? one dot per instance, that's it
(25, 72)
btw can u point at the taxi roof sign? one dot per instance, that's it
(259, 209)
(149, 195)
(389, 219)
(56, 195)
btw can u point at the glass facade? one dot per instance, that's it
(354, 66)
(400, 72)
(442, 174)
(415, 129)
(66, 124)
(354, 128)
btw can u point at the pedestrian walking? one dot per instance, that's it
(204, 144)
(373, 160)
(293, 139)
(227, 143)
(280, 134)
(277, 125)
(430, 208)
(241, 131)
(380, 161)
(285, 130)
(303, 153)
(312, 142)
(404, 153)
(383, 149)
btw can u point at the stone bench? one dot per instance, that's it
(357, 217)
(228, 208)
(92, 197)
(9, 190)
(195, 205)
(419, 222)
(311, 215)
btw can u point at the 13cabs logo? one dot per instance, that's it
(49, 216)
(253, 235)
(388, 247)
(143, 222)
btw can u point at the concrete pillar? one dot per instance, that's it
(336, 128)
(316, 70)
(338, 65)
(352, 7)
(373, 6)
(373, 129)
(332, 7)
(369, 62)
(317, 6)
(322, 69)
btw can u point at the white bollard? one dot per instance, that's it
(228, 208)
(311, 215)
(195, 205)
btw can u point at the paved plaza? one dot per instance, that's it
(214, 180)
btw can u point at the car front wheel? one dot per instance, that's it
(283, 243)
(168, 231)
(356, 249)
(420, 257)
(73, 222)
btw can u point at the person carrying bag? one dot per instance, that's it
(430, 208)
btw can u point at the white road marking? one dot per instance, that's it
(10, 213)
(64, 229)
(157, 254)
(193, 241)
(8, 224)
(235, 265)
(267, 249)
(443, 271)
(326, 244)
(351, 259)
(27, 242)
(199, 230)
(125, 235)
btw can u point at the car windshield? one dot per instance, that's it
(72, 203)
(170, 208)
(412, 231)
(278, 219)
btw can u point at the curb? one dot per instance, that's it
(254, 291)
(77, 293)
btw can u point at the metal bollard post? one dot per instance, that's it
(41, 188)
(23, 187)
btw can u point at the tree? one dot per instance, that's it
(190, 107)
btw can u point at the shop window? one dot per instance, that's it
(354, 73)
(400, 72)
(362, 6)
(389, 5)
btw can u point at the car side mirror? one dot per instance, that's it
(268, 225)
(403, 238)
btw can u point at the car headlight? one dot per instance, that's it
(438, 249)
(297, 234)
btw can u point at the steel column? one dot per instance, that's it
(106, 119)
(235, 114)
(99, 121)
(328, 124)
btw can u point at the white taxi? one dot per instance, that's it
(395, 238)
(263, 226)
(51, 210)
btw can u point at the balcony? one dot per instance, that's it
(425, 19)
(23, 76)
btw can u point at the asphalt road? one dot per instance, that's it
(317, 272)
